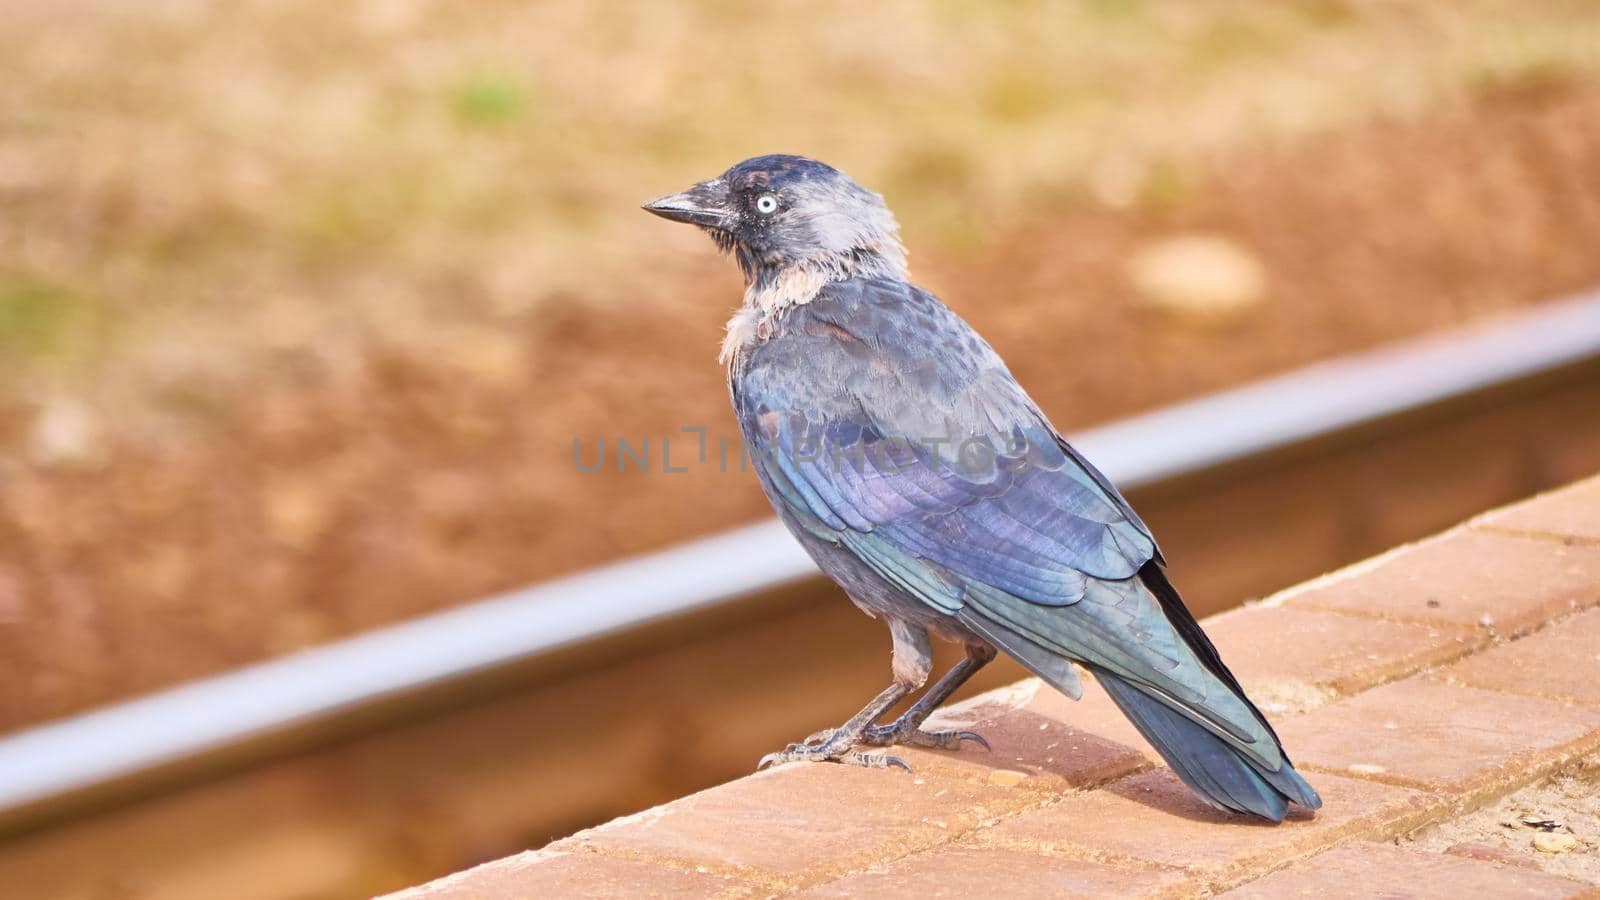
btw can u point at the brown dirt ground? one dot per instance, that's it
(322, 500)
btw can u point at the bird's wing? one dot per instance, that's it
(881, 413)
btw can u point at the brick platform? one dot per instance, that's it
(1411, 689)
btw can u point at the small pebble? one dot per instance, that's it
(1554, 843)
(1367, 769)
(66, 433)
(1201, 276)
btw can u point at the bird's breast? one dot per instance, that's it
(765, 299)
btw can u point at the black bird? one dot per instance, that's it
(898, 449)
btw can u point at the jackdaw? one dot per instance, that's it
(897, 447)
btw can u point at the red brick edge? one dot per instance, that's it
(1410, 688)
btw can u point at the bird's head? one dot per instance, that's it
(777, 214)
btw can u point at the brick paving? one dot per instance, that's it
(1501, 583)
(792, 824)
(1561, 662)
(1363, 870)
(967, 872)
(573, 876)
(1152, 818)
(1334, 655)
(1571, 514)
(1423, 684)
(1457, 740)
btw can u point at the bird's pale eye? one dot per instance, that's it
(766, 204)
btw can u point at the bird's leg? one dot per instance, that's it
(839, 744)
(913, 658)
(907, 730)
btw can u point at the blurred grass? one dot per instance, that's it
(33, 315)
(213, 172)
(44, 323)
(489, 99)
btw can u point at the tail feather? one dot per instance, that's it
(1205, 761)
(1155, 579)
(1173, 686)
(1220, 774)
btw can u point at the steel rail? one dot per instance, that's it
(135, 736)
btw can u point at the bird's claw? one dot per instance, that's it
(852, 758)
(875, 760)
(890, 735)
(895, 735)
(803, 753)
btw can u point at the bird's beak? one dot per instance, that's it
(705, 204)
